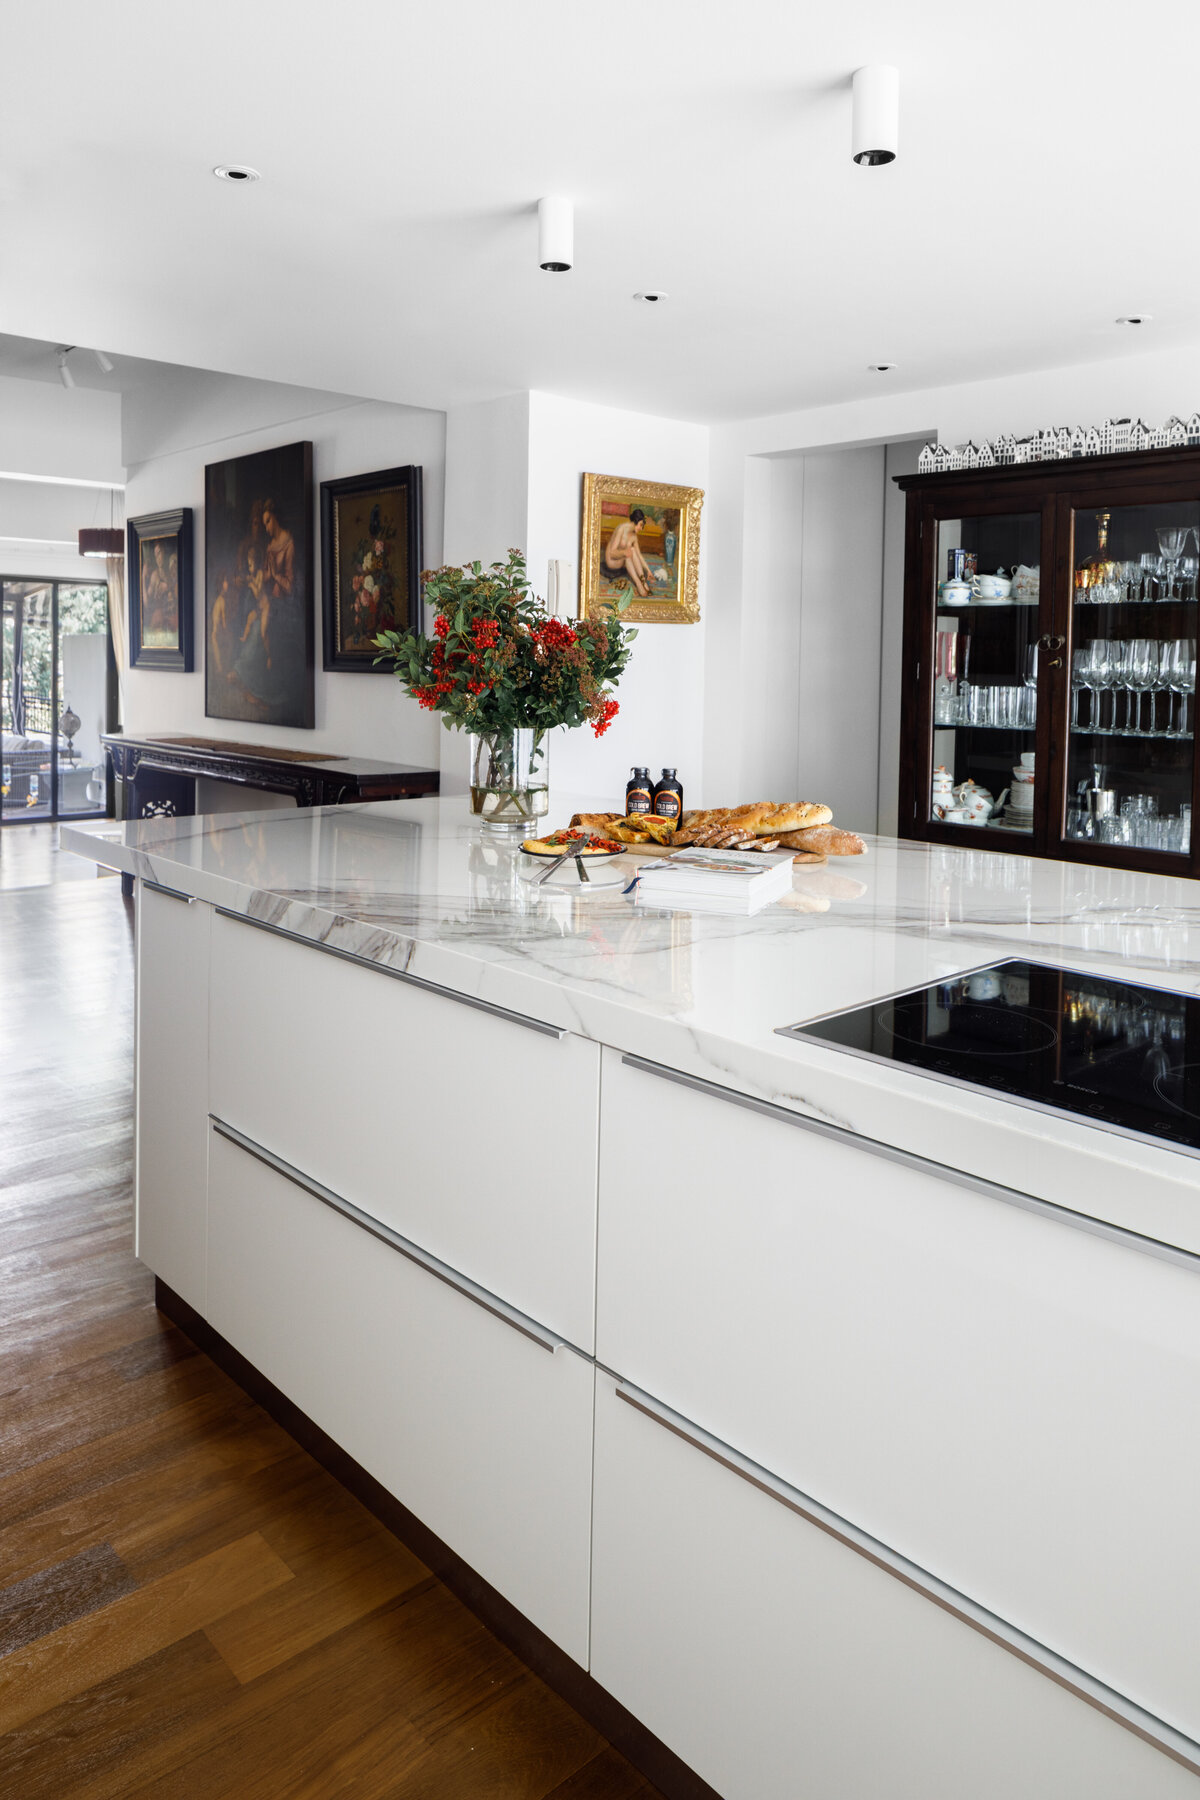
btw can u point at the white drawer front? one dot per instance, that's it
(779, 1663)
(424, 1112)
(1007, 1401)
(481, 1432)
(172, 1088)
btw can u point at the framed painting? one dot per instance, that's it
(370, 564)
(158, 579)
(641, 540)
(258, 587)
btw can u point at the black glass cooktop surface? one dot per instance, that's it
(1112, 1052)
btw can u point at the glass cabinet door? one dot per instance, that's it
(1133, 676)
(985, 672)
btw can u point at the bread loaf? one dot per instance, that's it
(765, 818)
(825, 838)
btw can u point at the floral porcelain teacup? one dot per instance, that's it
(976, 802)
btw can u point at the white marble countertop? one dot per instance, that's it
(416, 885)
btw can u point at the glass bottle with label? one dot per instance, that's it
(639, 795)
(668, 797)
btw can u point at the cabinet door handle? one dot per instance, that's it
(156, 887)
(931, 1587)
(908, 1159)
(418, 981)
(462, 1284)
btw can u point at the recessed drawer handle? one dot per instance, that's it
(1048, 1662)
(908, 1159)
(156, 887)
(462, 1284)
(419, 981)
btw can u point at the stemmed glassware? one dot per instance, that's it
(1171, 540)
(1141, 675)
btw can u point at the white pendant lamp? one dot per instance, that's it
(556, 234)
(876, 127)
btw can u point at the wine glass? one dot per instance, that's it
(1171, 539)
(1172, 667)
(1081, 670)
(1149, 571)
(1104, 672)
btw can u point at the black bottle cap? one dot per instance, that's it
(668, 771)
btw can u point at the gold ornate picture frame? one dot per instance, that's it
(640, 538)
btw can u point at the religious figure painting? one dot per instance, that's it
(640, 550)
(370, 564)
(258, 562)
(158, 575)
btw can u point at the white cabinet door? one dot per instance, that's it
(473, 1136)
(1005, 1400)
(480, 1431)
(778, 1663)
(173, 936)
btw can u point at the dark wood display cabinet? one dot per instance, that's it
(1050, 641)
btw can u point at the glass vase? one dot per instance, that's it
(509, 780)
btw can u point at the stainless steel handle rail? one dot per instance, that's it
(908, 1159)
(462, 1284)
(156, 887)
(1067, 1674)
(419, 981)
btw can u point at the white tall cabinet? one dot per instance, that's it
(845, 1479)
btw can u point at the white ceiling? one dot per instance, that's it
(1044, 186)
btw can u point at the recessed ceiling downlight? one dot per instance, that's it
(1135, 319)
(236, 172)
(879, 368)
(652, 296)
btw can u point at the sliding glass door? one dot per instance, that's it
(53, 699)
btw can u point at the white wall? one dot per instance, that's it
(362, 715)
(660, 720)
(59, 434)
(40, 523)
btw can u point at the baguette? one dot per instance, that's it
(765, 818)
(825, 838)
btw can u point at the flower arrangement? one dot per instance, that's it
(498, 662)
(373, 584)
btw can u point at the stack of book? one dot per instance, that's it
(719, 881)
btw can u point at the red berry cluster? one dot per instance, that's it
(485, 633)
(441, 626)
(554, 635)
(608, 713)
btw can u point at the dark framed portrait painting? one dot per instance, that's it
(258, 587)
(370, 563)
(158, 579)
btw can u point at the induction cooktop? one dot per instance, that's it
(1119, 1055)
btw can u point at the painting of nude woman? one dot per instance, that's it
(640, 551)
(258, 581)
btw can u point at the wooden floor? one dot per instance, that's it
(190, 1607)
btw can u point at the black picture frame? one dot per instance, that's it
(258, 588)
(161, 535)
(348, 506)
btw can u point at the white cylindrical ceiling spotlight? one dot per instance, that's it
(876, 128)
(106, 362)
(556, 234)
(64, 373)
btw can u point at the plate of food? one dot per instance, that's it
(573, 841)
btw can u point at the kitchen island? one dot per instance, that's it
(833, 1420)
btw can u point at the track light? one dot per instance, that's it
(876, 115)
(64, 374)
(556, 234)
(106, 362)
